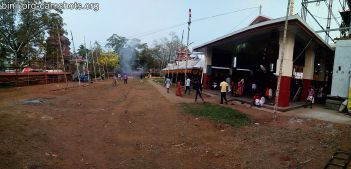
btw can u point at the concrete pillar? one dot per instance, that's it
(287, 67)
(308, 72)
(208, 62)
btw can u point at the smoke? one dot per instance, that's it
(128, 57)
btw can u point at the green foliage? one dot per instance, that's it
(52, 46)
(97, 49)
(22, 32)
(218, 113)
(83, 51)
(116, 42)
(145, 57)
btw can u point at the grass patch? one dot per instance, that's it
(159, 80)
(118, 101)
(218, 113)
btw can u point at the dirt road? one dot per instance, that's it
(135, 126)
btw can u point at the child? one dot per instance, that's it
(310, 97)
(256, 99)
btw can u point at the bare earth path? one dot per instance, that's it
(135, 126)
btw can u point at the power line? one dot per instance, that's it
(242, 21)
(159, 30)
(324, 17)
(227, 13)
(185, 23)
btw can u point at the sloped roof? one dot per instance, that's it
(259, 19)
(269, 24)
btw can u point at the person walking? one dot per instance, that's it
(198, 90)
(187, 85)
(228, 80)
(224, 86)
(114, 81)
(310, 97)
(125, 78)
(241, 87)
(321, 95)
(253, 88)
(168, 83)
(179, 88)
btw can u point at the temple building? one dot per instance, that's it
(254, 54)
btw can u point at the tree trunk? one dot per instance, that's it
(16, 65)
(107, 72)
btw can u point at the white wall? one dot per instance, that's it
(340, 83)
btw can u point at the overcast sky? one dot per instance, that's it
(133, 18)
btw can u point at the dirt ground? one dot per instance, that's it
(139, 125)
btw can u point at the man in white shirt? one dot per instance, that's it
(228, 80)
(168, 83)
(187, 85)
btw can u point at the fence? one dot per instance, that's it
(32, 78)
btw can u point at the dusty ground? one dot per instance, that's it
(140, 126)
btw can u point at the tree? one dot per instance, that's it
(116, 43)
(95, 56)
(3, 57)
(83, 51)
(97, 49)
(145, 58)
(165, 50)
(22, 31)
(108, 60)
(53, 47)
(173, 46)
(135, 55)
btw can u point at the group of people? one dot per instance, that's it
(197, 86)
(225, 87)
(118, 76)
(236, 89)
(259, 100)
(311, 95)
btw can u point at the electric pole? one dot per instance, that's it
(275, 115)
(87, 58)
(75, 55)
(63, 61)
(187, 46)
(92, 56)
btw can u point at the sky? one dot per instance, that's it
(137, 18)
